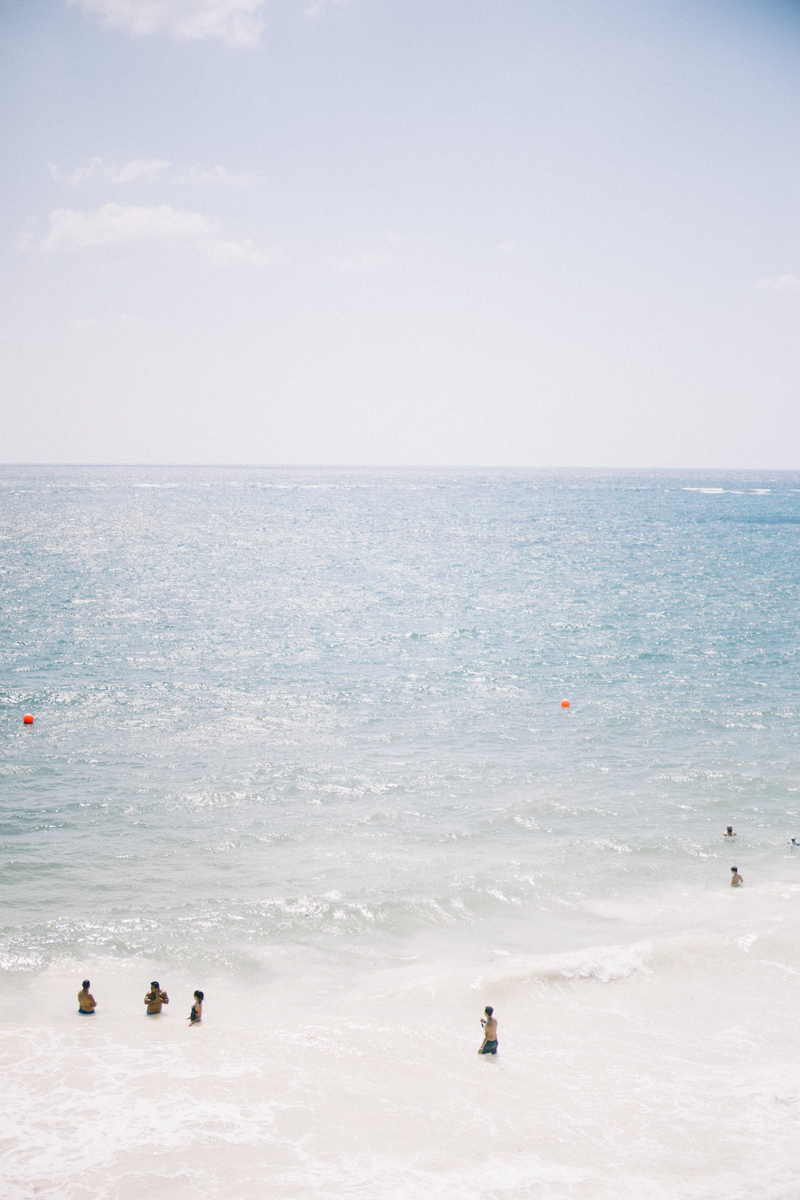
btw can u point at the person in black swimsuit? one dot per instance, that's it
(196, 1014)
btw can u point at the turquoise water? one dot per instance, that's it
(298, 727)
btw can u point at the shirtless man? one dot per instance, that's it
(489, 1032)
(86, 1001)
(736, 879)
(155, 998)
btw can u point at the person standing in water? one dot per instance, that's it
(736, 879)
(196, 1015)
(86, 1001)
(489, 1032)
(155, 998)
(729, 832)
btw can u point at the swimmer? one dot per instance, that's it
(86, 1001)
(489, 1032)
(794, 842)
(736, 879)
(196, 1014)
(155, 998)
(729, 832)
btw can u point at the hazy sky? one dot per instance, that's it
(545, 232)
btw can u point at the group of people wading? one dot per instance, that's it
(154, 1000)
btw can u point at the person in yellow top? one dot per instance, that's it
(86, 1001)
(736, 879)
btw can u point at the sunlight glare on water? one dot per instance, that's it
(299, 742)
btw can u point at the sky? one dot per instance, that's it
(557, 233)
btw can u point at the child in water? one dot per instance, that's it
(196, 1015)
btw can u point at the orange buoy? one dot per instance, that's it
(565, 703)
(27, 719)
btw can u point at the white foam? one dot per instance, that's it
(604, 963)
(334, 1081)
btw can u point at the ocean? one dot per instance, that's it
(298, 742)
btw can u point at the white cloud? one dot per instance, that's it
(116, 224)
(141, 168)
(237, 22)
(783, 283)
(213, 175)
(221, 251)
(144, 169)
(316, 6)
(126, 223)
(89, 170)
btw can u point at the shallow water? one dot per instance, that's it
(298, 741)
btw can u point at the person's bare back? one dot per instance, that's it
(86, 1001)
(155, 998)
(489, 1032)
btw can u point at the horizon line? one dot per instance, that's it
(321, 466)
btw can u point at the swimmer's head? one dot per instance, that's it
(199, 996)
(153, 983)
(734, 869)
(488, 1010)
(85, 984)
(730, 829)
